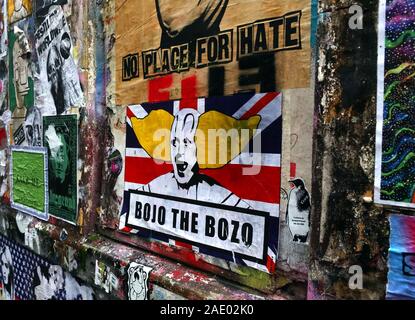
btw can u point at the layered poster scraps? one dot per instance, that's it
(395, 157)
(59, 78)
(21, 83)
(401, 278)
(60, 136)
(216, 40)
(219, 194)
(27, 276)
(19, 9)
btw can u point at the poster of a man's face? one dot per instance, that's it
(183, 146)
(60, 162)
(60, 137)
(211, 164)
(58, 154)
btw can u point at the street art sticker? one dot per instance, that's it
(29, 181)
(138, 282)
(104, 278)
(395, 159)
(207, 176)
(26, 276)
(59, 87)
(401, 278)
(216, 40)
(299, 211)
(21, 79)
(60, 136)
(19, 9)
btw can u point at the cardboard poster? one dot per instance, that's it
(395, 159)
(207, 175)
(29, 181)
(21, 78)
(19, 9)
(58, 86)
(26, 276)
(401, 277)
(60, 136)
(219, 44)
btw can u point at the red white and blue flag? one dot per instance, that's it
(251, 208)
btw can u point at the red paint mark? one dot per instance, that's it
(184, 245)
(413, 198)
(3, 138)
(293, 170)
(157, 88)
(260, 105)
(126, 229)
(189, 93)
(6, 199)
(271, 265)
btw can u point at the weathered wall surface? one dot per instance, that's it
(347, 228)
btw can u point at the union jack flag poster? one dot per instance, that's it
(207, 173)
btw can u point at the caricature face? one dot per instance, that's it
(137, 283)
(183, 146)
(60, 162)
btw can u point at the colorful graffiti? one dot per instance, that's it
(396, 117)
(401, 280)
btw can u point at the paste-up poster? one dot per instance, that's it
(29, 181)
(19, 9)
(26, 276)
(60, 136)
(401, 278)
(58, 88)
(21, 79)
(207, 175)
(395, 159)
(138, 282)
(225, 46)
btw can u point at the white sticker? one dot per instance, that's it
(138, 281)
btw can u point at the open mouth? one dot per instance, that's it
(182, 166)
